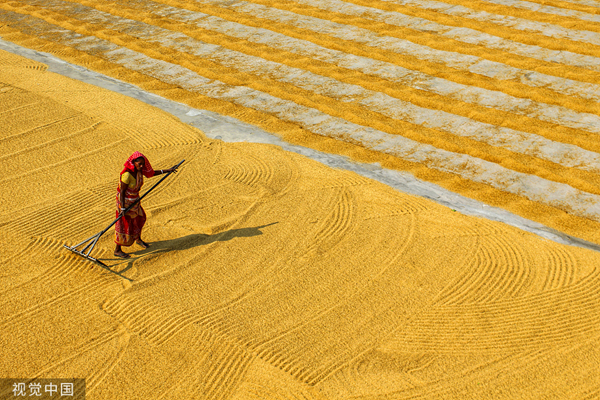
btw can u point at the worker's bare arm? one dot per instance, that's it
(164, 171)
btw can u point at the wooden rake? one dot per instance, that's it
(90, 242)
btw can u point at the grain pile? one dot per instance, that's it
(271, 276)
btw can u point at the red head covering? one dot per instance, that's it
(147, 170)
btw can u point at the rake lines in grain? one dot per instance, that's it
(33, 113)
(66, 160)
(589, 394)
(39, 247)
(505, 269)
(227, 362)
(103, 339)
(562, 267)
(224, 375)
(333, 365)
(508, 277)
(295, 361)
(214, 369)
(405, 205)
(445, 388)
(74, 135)
(258, 391)
(33, 248)
(286, 176)
(392, 371)
(523, 323)
(51, 220)
(157, 325)
(11, 61)
(290, 360)
(137, 316)
(579, 291)
(456, 288)
(157, 139)
(484, 267)
(343, 179)
(169, 324)
(95, 286)
(336, 226)
(251, 171)
(190, 376)
(19, 108)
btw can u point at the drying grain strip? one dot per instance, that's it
(353, 93)
(562, 12)
(465, 35)
(523, 24)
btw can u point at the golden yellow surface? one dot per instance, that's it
(269, 276)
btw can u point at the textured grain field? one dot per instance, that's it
(271, 276)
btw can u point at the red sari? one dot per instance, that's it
(129, 228)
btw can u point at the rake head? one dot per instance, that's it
(89, 244)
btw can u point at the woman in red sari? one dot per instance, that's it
(128, 229)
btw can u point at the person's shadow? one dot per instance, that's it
(194, 240)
